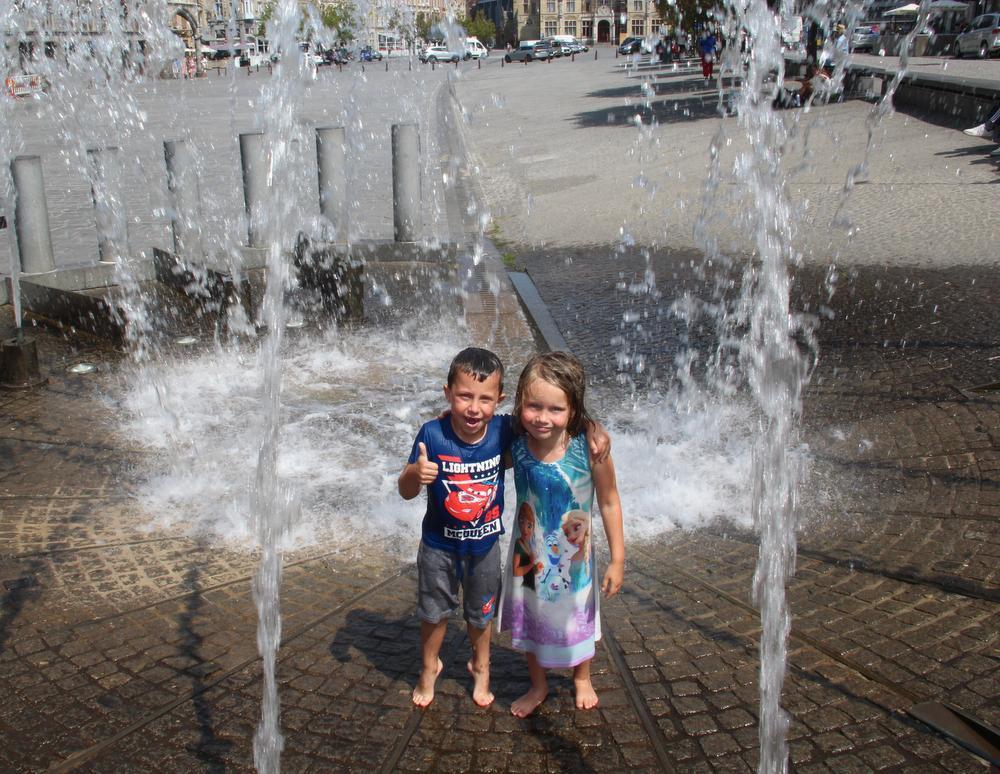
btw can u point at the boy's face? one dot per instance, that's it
(472, 404)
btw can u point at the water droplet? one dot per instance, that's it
(82, 368)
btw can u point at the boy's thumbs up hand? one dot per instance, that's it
(428, 470)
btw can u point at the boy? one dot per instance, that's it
(460, 459)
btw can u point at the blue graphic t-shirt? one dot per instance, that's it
(465, 502)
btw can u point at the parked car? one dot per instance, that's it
(981, 38)
(369, 54)
(528, 51)
(336, 56)
(438, 54)
(555, 46)
(474, 49)
(634, 45)
(864, 38)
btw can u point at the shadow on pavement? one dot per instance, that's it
(210, 749)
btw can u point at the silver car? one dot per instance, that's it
(864, 38)
(981, 38)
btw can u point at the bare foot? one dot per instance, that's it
(423, 694)
(481, 694)
(586, 696)
(528, 703)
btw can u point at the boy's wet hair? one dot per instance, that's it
(565, 372)
(476, 362)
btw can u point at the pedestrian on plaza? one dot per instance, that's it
(460, 458)
(840, 50)
(989, 128)
(706, 47)
(554, 618)
(814, 42)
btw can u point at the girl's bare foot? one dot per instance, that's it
(423, 694)
(586, 696)
(481, 694)
(528, 703)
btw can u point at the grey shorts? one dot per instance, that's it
(438, 582)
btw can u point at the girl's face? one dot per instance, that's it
(545, 412)
(575, 531)
(527, 525)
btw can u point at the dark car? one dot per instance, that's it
(369, 54)
(335, 57)
(634, 45)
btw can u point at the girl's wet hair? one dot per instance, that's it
(564, 371)
(478, 363)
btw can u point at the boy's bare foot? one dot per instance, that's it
(586, 696)
(528, 703)
(423, 694)
(481, 694)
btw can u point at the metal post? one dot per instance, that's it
(254, 163)
(331, 165)
(406, 181)
(182, 181)
(31, 216)
(106, 193)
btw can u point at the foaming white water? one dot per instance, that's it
(351, 405)
(682, 466)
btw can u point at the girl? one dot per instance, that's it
(555, 621)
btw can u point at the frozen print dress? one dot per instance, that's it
(549, 602)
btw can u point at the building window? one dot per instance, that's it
(526, 7)
(588, 7)
(639, 27)
(654, 26)
(569, 28)
(551, 28)
(587, 28)
(637, 5)
(550, 6)
(570, 6)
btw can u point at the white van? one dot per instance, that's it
(475, 50)
(568, 43)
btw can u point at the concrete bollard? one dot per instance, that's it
(331, 165)
(31, 216)
(254, 164)
(182, 182)
(406, 182)
(106, 193)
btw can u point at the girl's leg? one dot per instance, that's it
(528, 703)
(586, 696)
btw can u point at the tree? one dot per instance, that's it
(425, 23)
(481, 27)
(339, 17)
(682, 14)
(266, 12)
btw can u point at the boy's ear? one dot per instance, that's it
(502, 396)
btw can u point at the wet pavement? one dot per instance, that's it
(125, 647)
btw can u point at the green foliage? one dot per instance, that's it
(339, 17)
(481, 27)
(681, 14)
(425, 22)
(266, 12)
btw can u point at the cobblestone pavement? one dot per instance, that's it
(125, 647)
